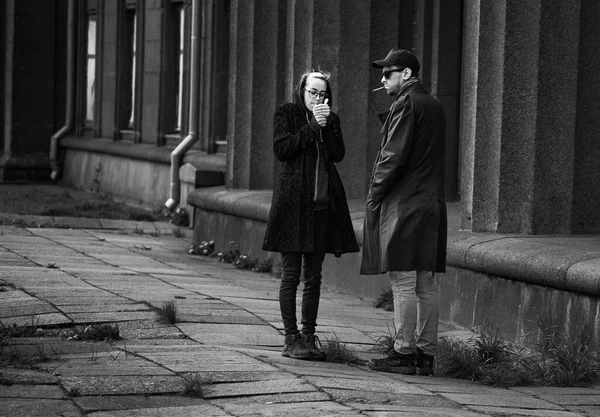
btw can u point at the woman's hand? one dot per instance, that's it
(322, 112)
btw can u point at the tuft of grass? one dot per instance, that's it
(456, 359)
(245, 262)
(231, 255)
(384, 345)
(550, 357)
(385, 299)
(193, 385)
(340, 352)
(178, 233)
(15, 330)
(73, 392)
(567, 358)
(263, 265)
(167, 314)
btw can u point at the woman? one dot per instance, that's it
(309, 214)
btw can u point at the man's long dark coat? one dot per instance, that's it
(405, 220)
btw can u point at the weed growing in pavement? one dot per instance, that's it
(178, 233)
(339, 352)
(193, 385)
(16, 330)
(384, 345)
(567, 358)
(234, 256)
(138, 230)
(385, 300)
(549, 357)
(73, 392)
(41, 355)
(13, 356)
(140, 216)
(167, 314)
(231, 255)
(95, 332)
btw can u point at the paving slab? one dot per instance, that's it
(205, 410)
(279, 398)
(303, 409)
(258, 388)
(407, 411)
(90, 404)
(509, 411)
(32, 407)
(37, 320)
(232, 334)
(123, 384)
(31, 391)
(113, 316)
(366, 384)
(25, 308)
(26, 376)
(371, 397)
(501, 399)
(116, 365)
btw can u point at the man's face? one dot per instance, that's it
(393, 78)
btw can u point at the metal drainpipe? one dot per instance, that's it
(192, 136)
(70, 92)
(8, 81)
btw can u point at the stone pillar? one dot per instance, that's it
(110, 20)
(252, 93)
(385, 33)
(153, 67)
(33, 79)
(518, 117)
(585, 216)
(441, 71)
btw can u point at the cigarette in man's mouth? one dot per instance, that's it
(380, 88)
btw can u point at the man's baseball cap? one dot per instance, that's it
(399, 57)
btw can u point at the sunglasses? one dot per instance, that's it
(387, 73)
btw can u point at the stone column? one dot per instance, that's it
(585, 216)
(518, 117)
(110, 20)
(252, 93)
(153, 67)
(440, 52)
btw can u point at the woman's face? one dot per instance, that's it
(314, 91)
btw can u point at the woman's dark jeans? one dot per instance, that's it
(311, 265)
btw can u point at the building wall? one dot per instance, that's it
(517, 79)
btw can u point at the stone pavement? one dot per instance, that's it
(228, 336)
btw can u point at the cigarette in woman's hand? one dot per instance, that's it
(380, 88)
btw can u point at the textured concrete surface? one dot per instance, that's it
(237, 362)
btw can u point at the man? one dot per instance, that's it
(405, 220)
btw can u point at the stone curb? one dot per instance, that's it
(564, 262)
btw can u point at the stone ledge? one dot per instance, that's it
(146, 152)
(569, 263)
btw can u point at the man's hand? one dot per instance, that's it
(322, 112)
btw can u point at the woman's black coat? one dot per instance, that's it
(290, 227)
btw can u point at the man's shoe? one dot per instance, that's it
(424, 363)
(314, 344)
(394, 362)
(295, 347)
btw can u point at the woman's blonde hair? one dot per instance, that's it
(315, 72)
